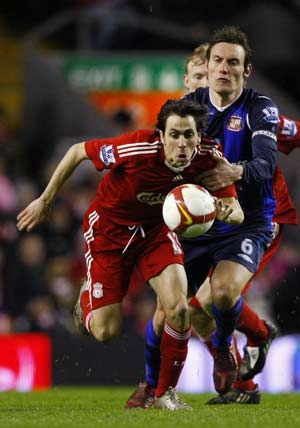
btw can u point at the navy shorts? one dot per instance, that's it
(246, 248)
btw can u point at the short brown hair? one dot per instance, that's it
(183, 107)
(233, 35)
(198, 54)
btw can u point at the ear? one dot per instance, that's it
(248, 71)
(199, 138)
(186, 81)
(161, 136)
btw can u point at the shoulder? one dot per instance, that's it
(200, 95)
(262, 108)
(141, 142)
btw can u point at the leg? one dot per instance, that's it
(106, 323)
(143, 396)
(171, 288)
(227, 283)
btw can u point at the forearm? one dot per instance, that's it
(64, 169)
(264, 162)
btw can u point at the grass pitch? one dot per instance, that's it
(104, 407)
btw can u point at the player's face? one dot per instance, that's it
(179, 139)
(196, 76)
(226, 71)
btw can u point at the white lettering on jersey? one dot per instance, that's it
(266, 133)
(151, 198)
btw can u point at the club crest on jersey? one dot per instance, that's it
(289, 128)
(151, 198)
(235, 123)
(271, 115)
(107, 155)
(98, 290)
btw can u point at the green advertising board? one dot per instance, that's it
(125, 73)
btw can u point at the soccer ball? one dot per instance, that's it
(189, 210)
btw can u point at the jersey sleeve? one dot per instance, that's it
(226, 192)
(263, 120)
(107, 153)
(288, 135)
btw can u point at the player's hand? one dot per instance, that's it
(33, 214)
(222, 175)
(223, 210)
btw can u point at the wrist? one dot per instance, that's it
(238, 171)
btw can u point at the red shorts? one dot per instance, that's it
(112, 252)
(272, 249)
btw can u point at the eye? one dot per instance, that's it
(189, 134)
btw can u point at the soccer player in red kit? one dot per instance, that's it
(123, 228)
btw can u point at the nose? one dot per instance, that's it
(223, 67)
(182, 141)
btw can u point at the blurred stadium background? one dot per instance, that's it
(75, 69)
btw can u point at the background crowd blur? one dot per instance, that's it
(45, 106)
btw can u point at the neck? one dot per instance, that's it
(223, 100)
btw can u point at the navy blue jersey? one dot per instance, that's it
(247, 130)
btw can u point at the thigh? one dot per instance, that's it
(171, 286)
(158, 250)
(204, 295)
(230, 277)
(269, 253)
(108, 275)
(108, 319)
(197, 271)
(245, 248)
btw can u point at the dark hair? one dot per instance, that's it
(183, 107)
(231, 34)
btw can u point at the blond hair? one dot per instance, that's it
(199, 54)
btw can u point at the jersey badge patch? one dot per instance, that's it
(271, 115)
(107, 155)
(235, 123)
(289, 128)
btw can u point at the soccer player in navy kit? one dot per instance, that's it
(246, 124)
(259, 335)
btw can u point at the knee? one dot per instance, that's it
(223, 295)
(106, 333)
(178, 315)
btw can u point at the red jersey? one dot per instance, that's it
(134, 189)
(288, 135)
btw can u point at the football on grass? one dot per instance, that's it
(189, 210)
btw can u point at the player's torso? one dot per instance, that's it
(231, 128)
(134, 193)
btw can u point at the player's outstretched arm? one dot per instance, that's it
(38, 209)
(229, 210)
